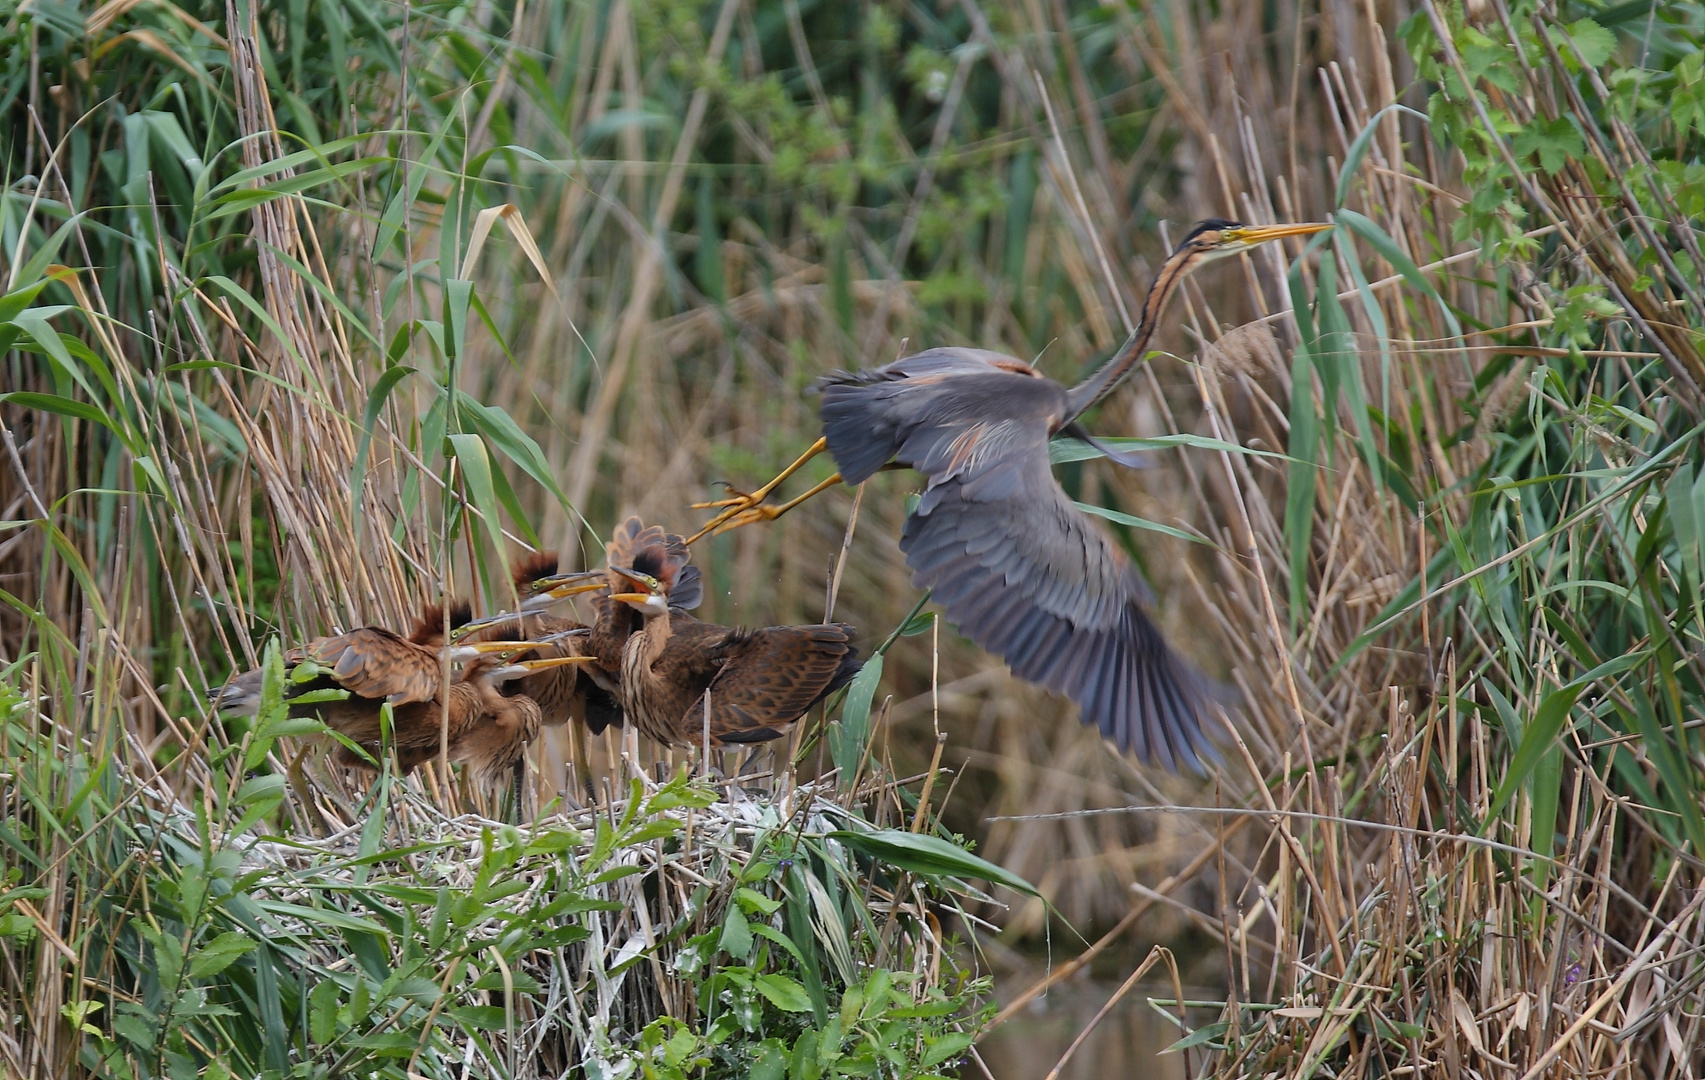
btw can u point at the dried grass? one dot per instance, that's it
(1346, 900)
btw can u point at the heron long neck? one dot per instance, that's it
(641, 687)
(1108, 376)
(655, 636)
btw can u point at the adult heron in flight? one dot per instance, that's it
(1023, 572)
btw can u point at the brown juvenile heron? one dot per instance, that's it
(759, 681)
(345, 680)
(565, 692)
(538, 585)
(648, 550)
(1024, 573)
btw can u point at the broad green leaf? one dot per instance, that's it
(771, 1062)
(35, 323)
(1391, 253)
(322, 1011)
(319, 153)
(1594, 42)
(1200, 1037)
(1139, 523)
(457, 293)
(754, 901)
(736, 938)
(519, 447)
(1555, 142)
(219, 954)
(782, 992)
(1359, 149)
(945, 1049)
(1537, 736)
(922, 853)
(853, 728)
(322, 916)
(476, 474)
(260, 788)
(771, 934)
(63, 406)
(917, 624)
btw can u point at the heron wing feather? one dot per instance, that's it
(1022, 571)
(772, 679)
(373, 662)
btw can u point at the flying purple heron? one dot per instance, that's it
(1023, 572)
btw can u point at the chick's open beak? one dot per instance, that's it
(549, 662)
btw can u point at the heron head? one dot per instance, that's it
(542, 592)
(1216, 238)
(639, 590)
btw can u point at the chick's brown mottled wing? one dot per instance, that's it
(559, 691)
(415, 727)
(374, 663)
(771, 677)
(493, 741)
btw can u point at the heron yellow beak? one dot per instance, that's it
(559, 586)
(1260, 234)
(555, 661)
(632, 597)
(488, 648)
(460, 632)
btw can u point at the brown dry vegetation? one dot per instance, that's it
(1377, 894)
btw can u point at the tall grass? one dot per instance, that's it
(308, 306)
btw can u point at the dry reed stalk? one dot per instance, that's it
(1233, 126)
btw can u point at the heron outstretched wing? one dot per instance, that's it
(1023, 572)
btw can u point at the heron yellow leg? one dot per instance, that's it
(756, 512)
(742, 502)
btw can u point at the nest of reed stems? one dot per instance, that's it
(584, 942)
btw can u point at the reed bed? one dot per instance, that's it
(674, 928)
(312, 319)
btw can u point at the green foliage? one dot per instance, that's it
(351, 394)
(1575, 536)
(388, 959)
(880, 1029)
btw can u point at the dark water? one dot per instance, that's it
(1128, 1043)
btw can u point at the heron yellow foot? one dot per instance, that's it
(748, 509)
(738, 498)
(739, 504)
